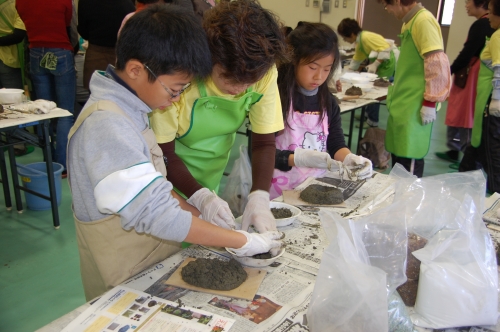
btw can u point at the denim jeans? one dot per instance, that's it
(10, 78)
(59, 86)
(372, 111)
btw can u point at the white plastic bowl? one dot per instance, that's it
(360, 80)
(255, 262)
(370, 76)
(285, 221)
(365, 87)
(11, 96)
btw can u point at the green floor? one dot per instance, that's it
(39, 271)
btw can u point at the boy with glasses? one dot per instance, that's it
(127, 216)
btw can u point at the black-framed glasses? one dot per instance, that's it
(173, 94)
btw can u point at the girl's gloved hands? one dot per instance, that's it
(258, 243)
(213, 209)
(358, 167)
(315, 159)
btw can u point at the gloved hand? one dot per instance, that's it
(212, 208)
(258, 213)
(315, 159)
(260, 243)
(428, 114)
(358, 166)
(494, 108)
(372, 67)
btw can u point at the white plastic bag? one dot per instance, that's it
(458, 275)
(239, 183)
(349, 294)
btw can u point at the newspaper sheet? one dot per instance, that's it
(123, 308)
(492, 204)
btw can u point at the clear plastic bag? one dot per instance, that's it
(239, 183)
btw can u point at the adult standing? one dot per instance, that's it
(98, 23)
(197, 132)
(460, 111)
(52, 66)
(422, 78)
(484, 151)
(369, 45)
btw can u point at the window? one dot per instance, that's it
(446, 12)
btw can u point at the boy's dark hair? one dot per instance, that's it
(245, 39)
(168, 39)
(348, 26)
(496, 7)
(309, 42)
(147, 2)
(481, 3)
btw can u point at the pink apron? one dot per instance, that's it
(306, 133)
(461, 102)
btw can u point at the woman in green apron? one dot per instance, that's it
(381, 53)
(422, 79)
(196, 134)
(485, 150)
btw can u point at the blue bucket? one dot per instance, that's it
(34, 177)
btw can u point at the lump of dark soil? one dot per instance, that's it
(381, 82)
(281, 213)
(318, 194)
(265, 255)
(354, 91)
(408, 290)
(214, 273)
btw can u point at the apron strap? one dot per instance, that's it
(100, 105)
(361, 44)
(201, 88)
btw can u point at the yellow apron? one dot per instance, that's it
(109, 254)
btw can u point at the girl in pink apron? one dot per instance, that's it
(312, 141)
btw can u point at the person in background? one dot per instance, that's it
(141, 4)
(98, 23)
(197, 132)
(484, 151)
(52, 66)
(422, 79)
(460, 111)
(381, 53)
(313, 140)
(127, 217)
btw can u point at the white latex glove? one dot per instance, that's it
(372, 67)
(258, 213)
(315, 159)
(495, 107)
(358, 166)
(260, 243)
(428, 114)
(213, 209)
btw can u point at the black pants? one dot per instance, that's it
(418, 165)
(487, 155)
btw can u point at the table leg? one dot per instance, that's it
(15, 177)
(361, 123)
(351, 129)
(5, 181)
(50, 172)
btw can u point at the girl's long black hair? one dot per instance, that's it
(308, 42)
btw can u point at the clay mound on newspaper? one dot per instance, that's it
(214, 274)
(354, 91)
(318, 194)
(381, 82)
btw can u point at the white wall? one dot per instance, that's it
(459, 28)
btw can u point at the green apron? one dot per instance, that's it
(205, 147)
(484, 89)
(406, 137)
(386, 68)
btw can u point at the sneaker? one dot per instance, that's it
(448, 156)
(64, 174)
(358, 117)
(368, 124)
(454, 165)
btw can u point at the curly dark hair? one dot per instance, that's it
(348, 26)
(495, 4)
(481, 3)
(309, 42)
(245, 39)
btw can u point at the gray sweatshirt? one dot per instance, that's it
(110, 172)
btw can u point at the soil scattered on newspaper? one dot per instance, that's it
(318, 194)
(281, 213)
(214, 273)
